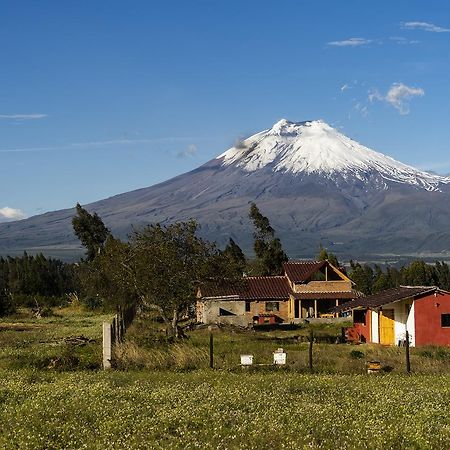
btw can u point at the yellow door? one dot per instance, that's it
(387, 336)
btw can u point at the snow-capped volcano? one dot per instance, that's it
(314, 147)
(317, 186)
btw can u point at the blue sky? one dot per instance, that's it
(102, 97)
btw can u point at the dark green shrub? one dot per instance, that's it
(7, 305)
(356, 354)
(92, 302)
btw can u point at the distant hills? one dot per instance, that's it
(315, 184)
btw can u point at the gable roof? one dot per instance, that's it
(388, 296)
(301, 271)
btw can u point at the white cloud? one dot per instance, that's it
(8, 214)
(424, 26)
(352, 42)
(23, 116)
(398, 96)
(190, 151)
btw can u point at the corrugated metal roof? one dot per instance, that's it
(387, 296)
(300, 271)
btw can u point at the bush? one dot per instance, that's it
(92, 302)
(33, 301)
(7, 305)
(356, 354)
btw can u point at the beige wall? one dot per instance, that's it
(324, 286)
(208, 312)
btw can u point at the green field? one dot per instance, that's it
(53, 395)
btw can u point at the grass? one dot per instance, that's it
(146, 348)
(26, 341)
(165, 397)
(222, 410)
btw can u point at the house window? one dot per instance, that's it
(272, 306)
(247, 306)
(445, 320)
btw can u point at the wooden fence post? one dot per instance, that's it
(310, 354)
(107, 345)
(408, 361)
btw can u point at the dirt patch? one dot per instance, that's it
(19, 327)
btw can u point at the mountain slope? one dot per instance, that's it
(314, 183)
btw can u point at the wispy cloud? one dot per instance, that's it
(362, 109)
(22, 116)
(424, 26)
(403, 41)
(398, 96)
(190, 151)
(351, 42)
(99, 144)
(8, 214)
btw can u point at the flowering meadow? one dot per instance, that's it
(222, 410)
(53, 394)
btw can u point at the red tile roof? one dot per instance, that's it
(301, 271)
(387, 296)
(266, 287)
(251, 288)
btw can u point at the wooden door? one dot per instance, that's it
(387, 335)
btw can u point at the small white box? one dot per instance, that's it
(279, 358)
(246, 360)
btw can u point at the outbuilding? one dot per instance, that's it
(384, 318)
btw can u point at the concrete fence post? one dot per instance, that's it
(107, 345)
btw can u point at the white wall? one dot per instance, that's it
(401, 321)
(374, 327)
(410, 324)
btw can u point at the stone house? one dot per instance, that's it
(306, 291)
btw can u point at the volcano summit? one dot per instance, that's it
(315, 184)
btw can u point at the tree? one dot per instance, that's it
(363, 277)
(170, 263)
(6, 302)
(418, 273)
(161, 268)
(326, 255)
(110, 276)
(269, 252)
(236, 256)
(90, 230)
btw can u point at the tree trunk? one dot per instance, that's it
(175, 323)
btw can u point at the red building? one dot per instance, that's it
(423, 311)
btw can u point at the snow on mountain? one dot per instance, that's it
(314, 147)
